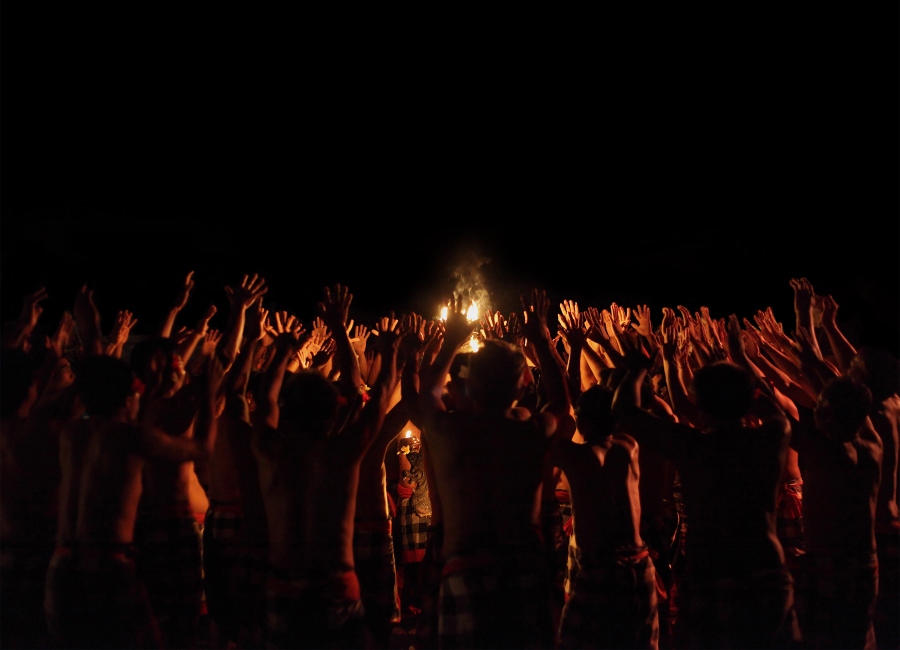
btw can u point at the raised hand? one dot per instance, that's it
(359, 339)
(59, 342)
(644, 326)
(210, 341)
(321, 358)
(32, 309)
(535, 307)
(120, 332)
(243, 295)
(255, 329)
(492, 325)
(457, 328)
(335, 308)
(184, 292)
(572, 326)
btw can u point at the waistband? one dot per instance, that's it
(373, 526)
(340, 585)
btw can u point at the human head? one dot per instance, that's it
(724, 390)
(842, 408)
(496, 374)
(593, 413)
(878, 369)
(106, 385)
(157, 363)
(309, 403)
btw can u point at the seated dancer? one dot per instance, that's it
(496, 589)
(310, 437)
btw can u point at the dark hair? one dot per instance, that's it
(593, 412)
(309, 400)
(878, 369)
(144, 350)
(17, 376)
(104, 383)
(849, 400)
(724, 390)
(494, 373)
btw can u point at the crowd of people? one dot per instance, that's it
(580, 477)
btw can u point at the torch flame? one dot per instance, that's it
(472, 312)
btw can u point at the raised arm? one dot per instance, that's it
(558, 404)
(178, 304)
(240, 297)
(286, 345)
(17, 333)
(457, 330)
(121, 330)
(842, 348)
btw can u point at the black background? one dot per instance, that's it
(706, 167)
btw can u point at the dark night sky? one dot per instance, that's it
(709, 176)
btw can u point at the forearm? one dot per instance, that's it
(842, 348)
(168, 323)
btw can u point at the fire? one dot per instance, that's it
(474, 343)
(472, 312)
(444, 313)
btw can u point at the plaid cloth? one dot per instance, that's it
(373, 555)
(221, 565)
(755, 611)
(613, 604)
(426, 628)
(571, 567)
(413, 533)
(23, 571)
(496, 600)
(836, 601)
(887, 604)
(324, 614)
(170, 565)
(115, 609)
(789, 520)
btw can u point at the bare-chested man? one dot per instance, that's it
(488, 460)
(879, 369)
(94, 596)
(309, 446)
(167, 530)
(736, 591)
(614, 600)
(840, 457)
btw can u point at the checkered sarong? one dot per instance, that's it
(836, 601)
(170, 565)
(221, 564)
(23, 570)
(751, 611)
(413, 533)
(373, 555)
(613, 604)
(303, 614)
(496, 600)
(789, 520)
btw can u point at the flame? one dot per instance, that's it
(472, 312)
(474, 344)
(408, 433)
(444, 313)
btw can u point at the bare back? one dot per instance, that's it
(309, 488)
(604, 486)
(489, 469)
